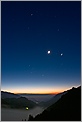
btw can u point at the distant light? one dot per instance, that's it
(26, 108)
(48, 51)
(36, 102)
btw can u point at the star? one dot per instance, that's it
(61, 54)
(31, 14)
(58, 29)
(42, 75)
(55, 16)
(28, 28)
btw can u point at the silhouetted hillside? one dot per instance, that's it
(21, 102)
(37, 97)
(52, 100)
(67, 108)
(8, 95)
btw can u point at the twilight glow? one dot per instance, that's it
(40, 46)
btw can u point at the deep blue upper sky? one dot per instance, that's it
(28, 31)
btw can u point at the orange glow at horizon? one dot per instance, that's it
(36, 90)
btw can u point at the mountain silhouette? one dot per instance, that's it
(21, 102)
(9, 95)
(67, 108)
(53, 100)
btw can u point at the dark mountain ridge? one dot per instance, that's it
(11, 100)
(67, 108)
(9, 95)
(37, 98)
(21, 102)
(54, 99)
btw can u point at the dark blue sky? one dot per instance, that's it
(28, 31)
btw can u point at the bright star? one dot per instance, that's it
(61, 54)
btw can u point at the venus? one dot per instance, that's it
(49, 52)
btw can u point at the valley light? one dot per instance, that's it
(26, 108)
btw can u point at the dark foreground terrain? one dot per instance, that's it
(9, 114)
(21, 102)
(67, 108)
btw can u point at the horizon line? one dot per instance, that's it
(52, 93)
(38, 93)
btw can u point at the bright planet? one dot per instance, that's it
(48, 51)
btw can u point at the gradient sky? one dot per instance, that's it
(28, 31)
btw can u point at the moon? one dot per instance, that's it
(48, 52)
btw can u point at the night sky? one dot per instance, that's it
(28, 31)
